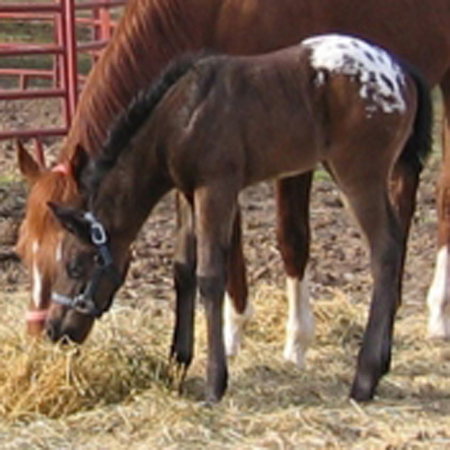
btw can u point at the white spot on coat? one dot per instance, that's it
(381, 78)
(58, 252)
(37, 286)
(35, 247)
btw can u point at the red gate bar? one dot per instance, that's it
(64, 72)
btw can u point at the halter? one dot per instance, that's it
(39, 315)
(84, 302)
(61, 168)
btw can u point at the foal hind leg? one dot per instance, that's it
(403, 193)
(184, 266)
(237, 308)
(293, 234)
(403, 187)
(381, 227)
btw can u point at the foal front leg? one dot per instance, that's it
(214, 214)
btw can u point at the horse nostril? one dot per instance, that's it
(65, 340)
(52, 331)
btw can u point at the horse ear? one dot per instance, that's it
(78, 162)
(29, 168)
(72, 220)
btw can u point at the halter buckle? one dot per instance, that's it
(98, 233)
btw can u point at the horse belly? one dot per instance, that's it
(285, 161)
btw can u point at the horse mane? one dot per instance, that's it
(150, 31)
(130, 121)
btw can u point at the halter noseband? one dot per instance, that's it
(84, 302)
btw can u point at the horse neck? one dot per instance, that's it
(130, 190)
(149, 35)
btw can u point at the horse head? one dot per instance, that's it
(90, 269)
(39, 234)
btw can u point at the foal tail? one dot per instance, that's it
(419, 144)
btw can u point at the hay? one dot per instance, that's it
(115, 391)
(38, 378)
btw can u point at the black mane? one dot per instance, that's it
(129, 122)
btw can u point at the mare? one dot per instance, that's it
(214, 125)
(151, 33)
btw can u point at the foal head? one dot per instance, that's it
(92, 267)
(115, 201)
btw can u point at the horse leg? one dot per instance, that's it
(237, 309)
(403, 189)
(380, 224)
(438, 297)
(214, 215)
(185, 287)
(293, 236)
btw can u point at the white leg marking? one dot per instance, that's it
(233, 325)
(439, 297)
(300, 323)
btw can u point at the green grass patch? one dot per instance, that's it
(322, 175)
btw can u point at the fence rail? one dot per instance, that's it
(65, 18)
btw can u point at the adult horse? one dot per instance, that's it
(212, 126)
(152, 32)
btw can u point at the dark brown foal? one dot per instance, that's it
(211, 127)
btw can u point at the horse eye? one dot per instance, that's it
(74, 270)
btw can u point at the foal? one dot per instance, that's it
(214, 125)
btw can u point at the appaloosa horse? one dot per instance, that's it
(150, 33)
(213, 125)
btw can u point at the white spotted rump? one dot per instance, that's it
(381, 78)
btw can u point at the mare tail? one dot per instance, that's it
(419, 144)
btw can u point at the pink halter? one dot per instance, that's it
(61, 168)
(39, 315)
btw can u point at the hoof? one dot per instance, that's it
(295, 356)
(363, 389)
(439, 329)
(212, 399)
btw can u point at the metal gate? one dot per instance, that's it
(65, 21)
